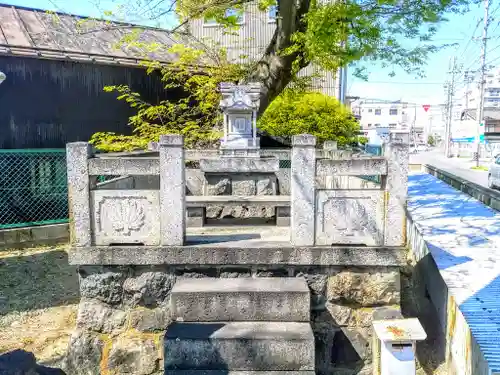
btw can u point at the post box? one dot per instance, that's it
(398, 343)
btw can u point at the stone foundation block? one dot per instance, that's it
(365, 288)
(105, 286)
(84, 354)
(256, 346)
(150, 320)
(148, 288)
(100, 317)
(134, 356)
(225, 372)
(347, 316)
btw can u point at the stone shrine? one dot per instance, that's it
(239, 106)
(158, 297)
(240, 165)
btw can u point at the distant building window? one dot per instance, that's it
(377, 125)
(369, 125)
(393, 111)
(272, 13)
(378, 111)
(229, 12)
(370, 110)
(393, 125)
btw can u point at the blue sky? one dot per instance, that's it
(460, 30)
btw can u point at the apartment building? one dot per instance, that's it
(248, 43)
(391, 116)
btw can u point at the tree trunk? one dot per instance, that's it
(275, 71)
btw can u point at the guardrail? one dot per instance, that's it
(487, 196)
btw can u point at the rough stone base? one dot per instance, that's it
(125, 310)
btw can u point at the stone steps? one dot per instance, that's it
(240, 326)
(226, 372)
(241, 299)
(255, 346)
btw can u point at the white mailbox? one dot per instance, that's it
(398, 341)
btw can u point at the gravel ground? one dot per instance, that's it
(38, 302)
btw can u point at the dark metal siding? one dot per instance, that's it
(47, 103)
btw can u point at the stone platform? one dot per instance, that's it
(238, 246)
(141, 304)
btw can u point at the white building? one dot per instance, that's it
(436, 122)
(249, 41)
(396, 116)
(469, 96)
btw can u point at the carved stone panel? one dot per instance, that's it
(353, 217)
(126, 217)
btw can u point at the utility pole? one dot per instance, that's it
(468, 80)
(450, 93)
(480, 109)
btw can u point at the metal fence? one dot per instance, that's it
(374, 150)
(33, 187)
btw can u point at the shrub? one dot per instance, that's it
(314, 113)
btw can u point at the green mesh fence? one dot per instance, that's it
(33, 187)
(374, 150)
(284, 164)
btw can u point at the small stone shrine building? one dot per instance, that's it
(164, 292)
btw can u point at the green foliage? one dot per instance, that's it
(314, 113)
(195, 115)
(329, 34)
(431, 141)
(363, 140)
(394, 33)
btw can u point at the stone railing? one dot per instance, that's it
(373, 216)
(127, 211)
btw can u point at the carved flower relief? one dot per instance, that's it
(121, 215)
(346, 217)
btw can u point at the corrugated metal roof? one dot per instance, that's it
(37, 33)
(463, 237)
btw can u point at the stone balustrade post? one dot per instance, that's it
(172, 190)
(77, 155)
(396, 150)
(330, 145)
(303, 197)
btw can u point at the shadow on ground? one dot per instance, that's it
(21, 362)
(36, 279)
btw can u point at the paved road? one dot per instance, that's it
(459, 167)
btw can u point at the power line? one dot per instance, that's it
(405, 83)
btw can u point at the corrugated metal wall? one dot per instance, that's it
(47, 103)
(251, 39)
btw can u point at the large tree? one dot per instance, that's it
(333, 33)
(327, 33)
